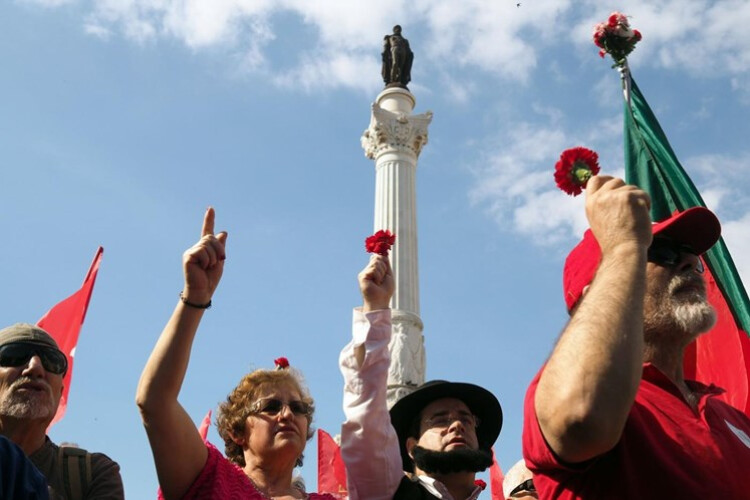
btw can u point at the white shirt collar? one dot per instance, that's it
(439, 490)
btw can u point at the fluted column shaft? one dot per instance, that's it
(394, 140)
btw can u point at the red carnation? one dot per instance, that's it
(615, 37)
(574, 168)
(480, 483)
(380, 242)
(281, 363)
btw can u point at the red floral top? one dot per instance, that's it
(220, 478)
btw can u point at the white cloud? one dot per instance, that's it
(515, 183)
(703, 37)
(97, 30)
(339, 70)
(50, 3)
(496, 37)
(736, 235)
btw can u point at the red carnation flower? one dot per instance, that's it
(574, 168)
(616, 38)
(380, 242)
(480, 483)
(281, 363)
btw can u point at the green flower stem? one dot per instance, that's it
(581, 172)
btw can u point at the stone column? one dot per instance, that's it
(394, 140)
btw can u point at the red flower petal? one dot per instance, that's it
(380, 242)
(574, 168)
(281, 363)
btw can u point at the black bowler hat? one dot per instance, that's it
(480, 401)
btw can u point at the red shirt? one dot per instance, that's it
(220, 479)
(666, 450)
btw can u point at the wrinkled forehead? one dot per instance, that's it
(279, 390)
(445, 405)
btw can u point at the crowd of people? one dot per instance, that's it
(609, 415)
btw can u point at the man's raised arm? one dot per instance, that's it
(589, 383)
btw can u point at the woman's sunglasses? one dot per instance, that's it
(273, 406)
(19, 353)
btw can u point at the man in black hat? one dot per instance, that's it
(31, 383)
(440, 435)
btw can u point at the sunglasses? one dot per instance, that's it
(273, 406)
(19, 353)
(668, 253)
(527, 485)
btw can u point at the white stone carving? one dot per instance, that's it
(393, 129)
(394, 140)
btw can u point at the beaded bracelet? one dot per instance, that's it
(196, 306)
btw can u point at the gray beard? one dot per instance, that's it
(32, 405)
(685, 313)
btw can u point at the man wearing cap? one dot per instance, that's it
(31, 383)
(441, 434)
(610, 415)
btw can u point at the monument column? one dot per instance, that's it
(394, 140)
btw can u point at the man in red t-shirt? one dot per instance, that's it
(610, 415)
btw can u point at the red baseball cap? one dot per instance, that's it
(697, 227)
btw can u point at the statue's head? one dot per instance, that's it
(397, 30)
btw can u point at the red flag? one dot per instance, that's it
(723, 354)
(64, 323)
(331, 470)
(205, 424)
(496, 479)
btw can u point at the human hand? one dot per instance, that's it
(618, 213)
(376, 283)
(203, 263)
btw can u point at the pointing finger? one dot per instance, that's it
(208, 222)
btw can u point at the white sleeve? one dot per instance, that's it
(369, 445)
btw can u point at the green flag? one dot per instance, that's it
(723, 355)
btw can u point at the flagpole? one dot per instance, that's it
(624, 70)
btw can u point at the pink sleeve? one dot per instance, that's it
(369, 446)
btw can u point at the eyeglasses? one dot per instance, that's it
(19, 353)
(527, 485)
(273, 406)
(666, 252)
(443, 420)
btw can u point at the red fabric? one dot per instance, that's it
(496, 479)
(64, 323)
(697, 227)
(205, 424)
(722, 355)
(331, 469)
(221, 479)
(666, 450)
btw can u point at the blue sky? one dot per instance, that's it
(121, 120)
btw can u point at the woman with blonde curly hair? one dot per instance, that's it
(265, 421)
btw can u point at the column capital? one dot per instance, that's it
(395, 132)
